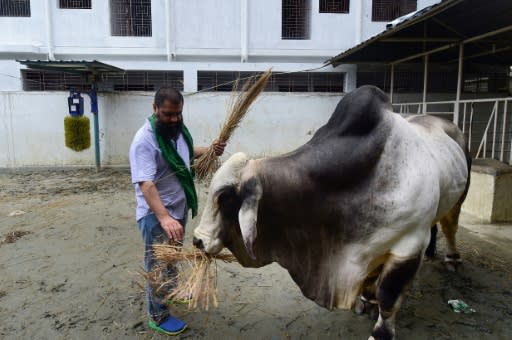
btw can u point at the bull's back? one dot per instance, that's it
(450, 156)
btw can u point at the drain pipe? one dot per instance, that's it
(94, 109)
(49, 30)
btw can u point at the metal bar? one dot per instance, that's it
(459, 85)
(484, 140)
(504, 123)
(488, 34)
(464, 120)
(419, 39)
(481, 54)
(495, 127)
(487, 100)
(470, 125)
(392, 82)
(425, 84)
(422, 54)
(485, 145)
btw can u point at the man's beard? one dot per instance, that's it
(168, 131)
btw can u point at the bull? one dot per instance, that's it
(349, 213)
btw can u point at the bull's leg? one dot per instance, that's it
(449, 225)
(397, 274)
(367, 302)
(432, 249)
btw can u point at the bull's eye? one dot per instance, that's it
(228, 201)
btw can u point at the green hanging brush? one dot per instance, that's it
(77, 133)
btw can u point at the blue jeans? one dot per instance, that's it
(152, 233)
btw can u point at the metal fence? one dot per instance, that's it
(486, 123)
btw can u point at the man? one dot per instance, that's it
(161, 155)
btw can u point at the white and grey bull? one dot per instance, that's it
(349, 213)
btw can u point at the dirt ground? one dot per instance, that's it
(75, 276)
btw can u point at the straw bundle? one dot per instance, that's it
(208, 163)
(195, 279)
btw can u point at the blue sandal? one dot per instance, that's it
(170, 326)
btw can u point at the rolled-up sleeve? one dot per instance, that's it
(142, 161)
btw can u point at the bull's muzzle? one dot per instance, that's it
(198, 243)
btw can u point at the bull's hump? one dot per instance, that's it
(359, 112)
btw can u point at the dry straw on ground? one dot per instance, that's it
(13, 236)
(196, 276)
(241, 101)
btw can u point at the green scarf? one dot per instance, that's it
(177, 164)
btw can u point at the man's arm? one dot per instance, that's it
(218, 147)
(172, 228)
(199, 151)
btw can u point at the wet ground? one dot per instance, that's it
(73, 275)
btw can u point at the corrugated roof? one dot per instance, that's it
(441, 26)
(72, 66)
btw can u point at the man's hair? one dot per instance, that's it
(168, 93)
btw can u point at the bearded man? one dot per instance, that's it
(161, 156)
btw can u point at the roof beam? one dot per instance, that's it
(492, 51)
(445, 47)
(419, 39)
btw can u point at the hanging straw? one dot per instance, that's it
(196, 278)
(208, 163)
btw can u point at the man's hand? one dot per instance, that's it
(218, 147)
(172, 228)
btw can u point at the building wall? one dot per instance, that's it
(32, 125)
(187, 35)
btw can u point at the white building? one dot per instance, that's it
(191, 44)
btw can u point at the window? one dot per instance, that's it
(388, 10)
(14, 8)
(141, 80)
(334, 6)
(295, 19)
(75, 4)
(53, 81)
(128, 81)
(223, 81)
(130, 18)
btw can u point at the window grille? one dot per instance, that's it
(295, 19)
(130, 18)
(108, 81)
(141, 80)
(75, 4)
(388, 10)
(223, 81)
(52, 81)
(14, 8)
(334, 6)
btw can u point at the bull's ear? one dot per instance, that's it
(250, 193)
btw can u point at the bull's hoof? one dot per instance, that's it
(453, 263)
(363, 306)
(382, 333)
